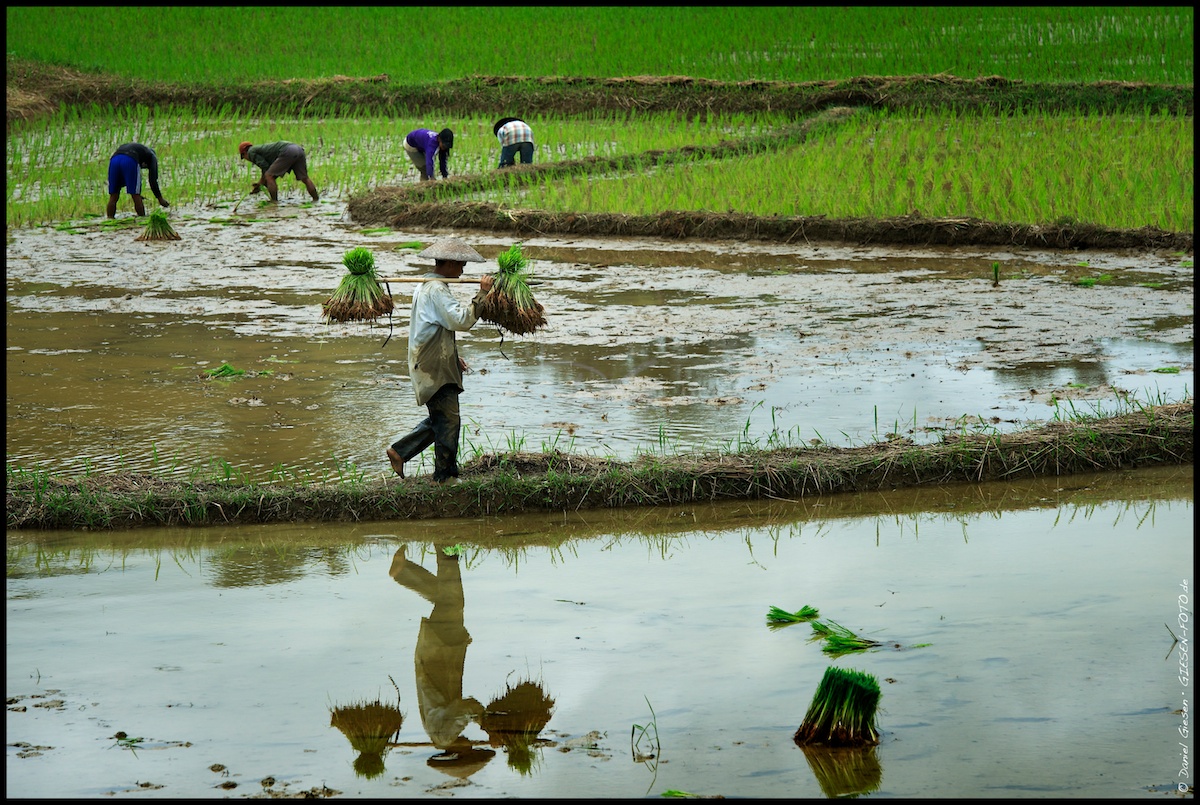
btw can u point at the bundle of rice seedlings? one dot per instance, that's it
(159, 228)
(369, 726)
(843, 711)
(839, 640)
(510, 304)
(778, 618)
(359, 296)
(514, 721)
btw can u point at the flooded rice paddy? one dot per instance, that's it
(650, 346)
(1022, 649)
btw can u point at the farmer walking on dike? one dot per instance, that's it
(423, 145)
(275, 160)
(434, 365)
(515, 137)
(125, 170)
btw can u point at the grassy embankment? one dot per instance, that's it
(548, 482)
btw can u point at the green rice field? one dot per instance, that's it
(1029, 169)
(1125, 170)
(729, 43)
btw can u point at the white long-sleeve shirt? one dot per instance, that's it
(432, 351)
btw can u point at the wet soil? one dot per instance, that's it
(648, 344)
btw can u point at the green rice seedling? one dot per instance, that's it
(842, 712)
(649, 734)
(359, 296)
(839, 640)
(510, 304)
(778, 618)
(159, 228)
(225, 370)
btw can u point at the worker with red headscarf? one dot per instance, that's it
(275, 160)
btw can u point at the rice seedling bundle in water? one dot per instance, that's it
(359, 296)
(843, 711)
(839, 640)
(510, 304)
(159, 228)
(777, 617)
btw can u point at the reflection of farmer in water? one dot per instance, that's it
(440, 656)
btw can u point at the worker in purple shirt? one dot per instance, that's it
(125, 170)
(515, 137)
(422, 145)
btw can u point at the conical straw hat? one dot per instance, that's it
(452, 249)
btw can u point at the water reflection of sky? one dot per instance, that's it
(1033, 656)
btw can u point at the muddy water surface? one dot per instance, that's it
(1022, 650)
(650, 345)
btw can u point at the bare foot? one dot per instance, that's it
(396, 462)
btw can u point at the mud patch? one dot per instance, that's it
(650, 344)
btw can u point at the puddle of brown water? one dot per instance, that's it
(1032, 661)
(650, 345)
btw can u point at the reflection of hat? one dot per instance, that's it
(452, 249)
(244, 147)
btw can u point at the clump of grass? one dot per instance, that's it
(159, 228)
(778, 618)
(839, 640)
(842, 712)
(359, 296)
(510, 304)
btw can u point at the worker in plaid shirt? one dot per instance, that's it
(515, 137)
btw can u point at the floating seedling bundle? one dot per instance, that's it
(159, 228)
(359, 296)
(842, 712)
(839, 640)
(777, 618)
(510, 304)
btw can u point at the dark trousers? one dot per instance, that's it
(508, 154)
(439, 429)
